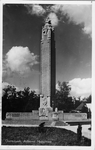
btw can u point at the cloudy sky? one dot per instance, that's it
(21, 45)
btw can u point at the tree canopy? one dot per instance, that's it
(19, 101)
(27, 100)
(63, 99)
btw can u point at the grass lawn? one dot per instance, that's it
(31, 136)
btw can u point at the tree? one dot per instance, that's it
(89, 99)
(84, 109)
(32, 102)
(19, 101)
(9, 93)
(63, 99)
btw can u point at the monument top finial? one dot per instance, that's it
(48, 23)
(48, 20)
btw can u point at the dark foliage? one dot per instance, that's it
(19, 101)
(27, 100)
(89, 99)
(63, 99)
(51, 136)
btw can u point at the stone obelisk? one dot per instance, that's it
(47, 70)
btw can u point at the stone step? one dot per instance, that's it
(28, 122)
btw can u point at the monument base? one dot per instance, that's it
(55, 116)
(45, 110)
(45, 113)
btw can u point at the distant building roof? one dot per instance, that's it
(80, 106)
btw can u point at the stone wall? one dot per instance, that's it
(32, 115)
(75, 116)
(22, 116)
(35, 115)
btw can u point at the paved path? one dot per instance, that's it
(76, 122)
(85, 132)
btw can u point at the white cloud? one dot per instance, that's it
(19, 59)
(35, 9)
(80, 87)
(54, 19)
(4, 85)
(79, 14)
(57, 87)
(37, 91)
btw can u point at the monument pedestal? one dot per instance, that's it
(45, 109)
(44, 113)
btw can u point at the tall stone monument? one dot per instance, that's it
(48, 64)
